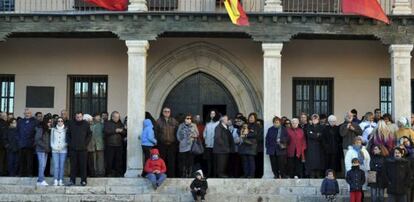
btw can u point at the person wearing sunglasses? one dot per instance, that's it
(186, 134)
(59, 151)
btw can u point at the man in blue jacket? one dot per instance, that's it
(26, 132)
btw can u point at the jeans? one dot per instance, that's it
(156, 179)
(58, 165)
(249, 167)
(42, 158)
(377, 194)
(200, 193)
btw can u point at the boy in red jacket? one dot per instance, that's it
(155, 169)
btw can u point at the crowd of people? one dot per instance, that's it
(222, 146)
(57, 145)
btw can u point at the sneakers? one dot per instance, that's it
(43, 183)
(83, 183)
(60, 183)
(55, 183)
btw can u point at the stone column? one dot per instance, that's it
(401, 80)
(273, 6)
(402, 7)
(272, 66)
(137, 5)
(137, 62)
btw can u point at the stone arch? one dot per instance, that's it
(201, 57)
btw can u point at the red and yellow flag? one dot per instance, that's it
(368, 8)
(112, 5)
(236, 12)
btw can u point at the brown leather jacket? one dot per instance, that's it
(166, 131)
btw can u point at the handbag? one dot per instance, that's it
(372, 176)
(197, 147)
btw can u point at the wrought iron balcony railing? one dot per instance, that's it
(206, 6)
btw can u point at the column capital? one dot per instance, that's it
(273, 6)
(400, 50)
(137, 5)
(272, 49)
(137, 46)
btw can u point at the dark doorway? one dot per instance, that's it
(222, 109)
(198, 93)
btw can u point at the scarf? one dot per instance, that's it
(358, 149)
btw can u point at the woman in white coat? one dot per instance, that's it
(358, 151)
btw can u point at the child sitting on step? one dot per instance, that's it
(155, 169)
(329, 187)
(199, 186)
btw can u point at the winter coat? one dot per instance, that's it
(352, 153)
(10, 139)
(113, 138)
(26, 129)
(42, 140)
(223, 140)
(397, 174)
(183, 136)
(78, 135)
(367, 128)
(297, 143)
(148, 135)
(408, 132)
(377, 164)
(152, 165)
(259, 136)
(98, 136)
(314, 152)
(3, 128)
(209, 132)
(331, 140)
(329, 187)
(355, 177)
(249, 144)
(349, 135)
(276, 145)
(166, 131)
(58, 140)
(196, 183)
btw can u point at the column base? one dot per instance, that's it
(273, 8)
(138, 7)
(133, 173)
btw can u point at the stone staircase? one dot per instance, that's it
(139, 189)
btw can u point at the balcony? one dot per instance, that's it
(177, 6)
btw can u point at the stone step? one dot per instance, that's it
(161, 198)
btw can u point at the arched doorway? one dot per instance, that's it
(198, 94)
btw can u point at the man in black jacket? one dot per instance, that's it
(223, 146)
(397, 175)
(3, 126)
(78, 136)
(114, 135)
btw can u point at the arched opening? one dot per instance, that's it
(198, 94)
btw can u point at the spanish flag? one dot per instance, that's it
(368, 8)
(112, 5)
(236, 12)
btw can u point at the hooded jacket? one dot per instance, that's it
(157, 164)
(202, 183)
(148, 135)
